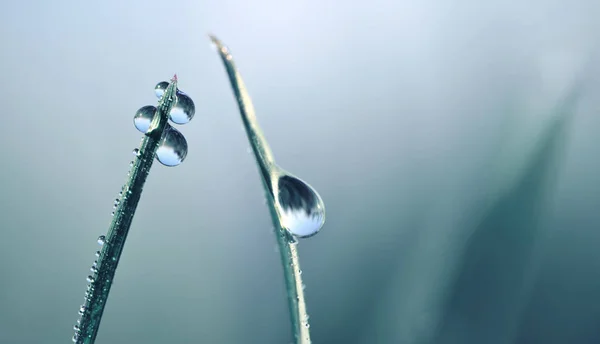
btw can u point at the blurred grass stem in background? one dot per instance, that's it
(296, 209)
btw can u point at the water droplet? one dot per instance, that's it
(97, 253)
(101, 240)
(136, 152)
(160, 89)
(172, 149)
(76, 328)
(94, 269)
(112, 213)
(300, 207)
(143, 117)
(299, 271)
(91, 279)
(75, 338)
(183, 109)
(307, 325)
(81, 310)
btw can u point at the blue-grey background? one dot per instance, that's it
(462, 190)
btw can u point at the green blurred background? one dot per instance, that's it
(462, 190)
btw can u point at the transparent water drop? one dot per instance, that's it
(91, 279)
(76, 328)
(112, 213)
(160, 89)
(130, 165)
(94, 269)
(81, 309)
(97, 253)
(183, 109)
(143, 117)
(136, 152)
(75, 338)
(101, 240)
(301, 209)
(172, 149)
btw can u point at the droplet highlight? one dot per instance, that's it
(172, 148)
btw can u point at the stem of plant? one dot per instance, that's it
(270, 172)
(112, 244)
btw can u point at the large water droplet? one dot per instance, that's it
(300, 207)
(143, 117)
(172, 149)
(183, 109)
(160, 89)
(101, 240)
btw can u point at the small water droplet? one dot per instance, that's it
(76, 328)
(97, 253)
(143, 118)
(307, 325)
(112, 213)
(101, 240)
(160, 89)
(301, 208)
(173, 148)
(91, 279)
(299, 271)
(130, 165)
(94, 269)
(136, 152)
(75, 338)
(81, 309)
(183, 109)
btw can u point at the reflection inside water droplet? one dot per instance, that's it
(172, 149)
(160, 89)
(183, 109)
(143, 117)
(300, 207)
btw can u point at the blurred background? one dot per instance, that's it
(454, 143)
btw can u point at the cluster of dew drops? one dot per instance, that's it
(171, 151)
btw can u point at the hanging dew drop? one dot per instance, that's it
(173, 148)
(136, 152)
(97, 253)
(90, 279)
(143, 118)
(160, 89)
(301, 209)
(183, 109)
(101, 240)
